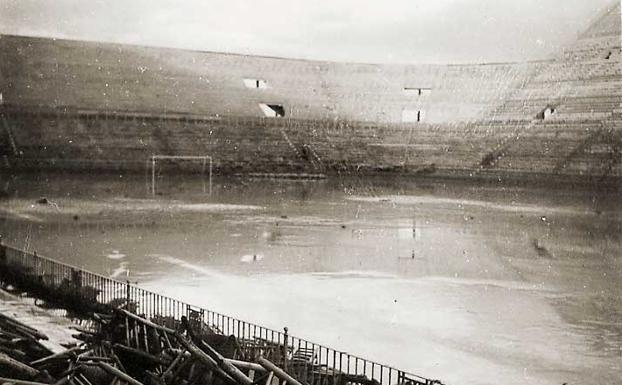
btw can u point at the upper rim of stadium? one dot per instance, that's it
(607, 22)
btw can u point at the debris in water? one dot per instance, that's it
(540, 249)
(248, 258)
(115, 254)
(43, 201)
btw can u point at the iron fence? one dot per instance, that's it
(316, 363)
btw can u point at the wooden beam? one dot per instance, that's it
(45, 360)
(11, 381)
(142, 354)
(269, 379)
(147, 322)
(246, 365)
(207, 360)
(228, 367)
(8, 364)
(280, 373)
(117, 373)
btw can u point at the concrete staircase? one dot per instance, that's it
(8, 147)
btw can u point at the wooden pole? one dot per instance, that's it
(127, 331)
(280, 373)
(285, 352)
(142, 354)
(228, 367)
(173, 364)
(116, 372)
(12, 381)
(269, 379)
(210, 363)
(168, 342)
(147, 322)
(64, 354)
(10, 365)
(246, 365)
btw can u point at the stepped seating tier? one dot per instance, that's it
(98, 105)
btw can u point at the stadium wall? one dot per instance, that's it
(84, 105)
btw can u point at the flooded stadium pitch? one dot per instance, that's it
(468, 283)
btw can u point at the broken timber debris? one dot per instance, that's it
(125, 348)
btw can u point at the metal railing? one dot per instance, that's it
(315, 363)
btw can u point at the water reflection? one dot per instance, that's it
(469, 283)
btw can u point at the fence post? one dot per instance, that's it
(285, 338)
(127, 295)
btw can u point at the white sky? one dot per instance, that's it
(382, 31)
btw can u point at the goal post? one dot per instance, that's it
(206, 161)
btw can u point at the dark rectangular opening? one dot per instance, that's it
(272, 110)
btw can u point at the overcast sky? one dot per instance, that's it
(382, 31)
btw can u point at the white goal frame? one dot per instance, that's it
(205, 159)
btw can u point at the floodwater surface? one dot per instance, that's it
(470, 284)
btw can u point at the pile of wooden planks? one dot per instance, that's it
(19, 345)
(124, 348)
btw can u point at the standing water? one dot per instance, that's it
(471, 284)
